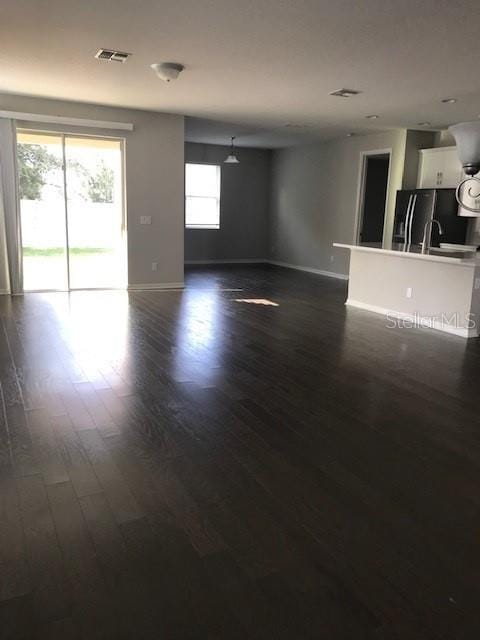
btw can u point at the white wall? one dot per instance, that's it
(439, 289)
(154, 175)
(314, 198)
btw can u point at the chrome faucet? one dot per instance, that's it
(425, 242)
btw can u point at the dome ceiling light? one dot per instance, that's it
(167, 71)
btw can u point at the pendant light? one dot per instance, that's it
(232, 158)
(467, 137)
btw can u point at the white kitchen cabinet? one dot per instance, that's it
(439, 168)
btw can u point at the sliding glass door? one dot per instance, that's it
(72, 211)
(95, 212)
(42, 204)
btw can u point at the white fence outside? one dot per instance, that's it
(90, 224)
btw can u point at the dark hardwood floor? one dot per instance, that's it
(182, 465)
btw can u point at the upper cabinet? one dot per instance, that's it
(439, 168)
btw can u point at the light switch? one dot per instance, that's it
(145, 219)
(409, 292)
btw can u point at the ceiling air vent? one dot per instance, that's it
(112, 56)
(345, 93)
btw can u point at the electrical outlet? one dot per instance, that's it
(145, 219)
(154, 266)
(409, 292)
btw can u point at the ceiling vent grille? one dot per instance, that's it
(110, 55)
(345, 93)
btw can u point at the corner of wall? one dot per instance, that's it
(415, 140)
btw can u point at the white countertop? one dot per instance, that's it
(468, 262)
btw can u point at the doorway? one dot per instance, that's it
(72, 211)
(373, 197)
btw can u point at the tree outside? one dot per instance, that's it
(34, 165)
(100, 185)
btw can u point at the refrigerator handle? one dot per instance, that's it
(407, 220)
(412, 211)
(434, 206)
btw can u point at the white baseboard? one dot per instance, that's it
(4, 292)
(156, 286)
(319, 272)
(417, 320)
(231, 261)
(287, 265)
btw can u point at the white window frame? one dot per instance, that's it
(214, 227)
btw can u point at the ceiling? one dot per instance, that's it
(253, 65)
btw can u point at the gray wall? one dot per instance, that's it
(244, 206)
(415, 141)
(154, 175)
(315, 198)
(444, 139)
(288, 205)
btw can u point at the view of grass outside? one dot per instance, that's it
(58, 251)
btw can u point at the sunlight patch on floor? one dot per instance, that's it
(262, 301)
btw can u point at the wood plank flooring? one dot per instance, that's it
(182, 465)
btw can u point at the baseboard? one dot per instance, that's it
(156, 286)
(417, 320)
(319, 272)
(230, 261)
(4, 292)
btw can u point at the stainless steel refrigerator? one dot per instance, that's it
(414, 208)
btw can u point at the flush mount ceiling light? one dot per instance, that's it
(350, 135)
(467, 137)
(167, 71)
(372, 117)
(232, 158)
(424, 124)
(344, 93)
(449, 100)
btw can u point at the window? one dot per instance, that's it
(202, 196)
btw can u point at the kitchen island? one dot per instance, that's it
(414, 289)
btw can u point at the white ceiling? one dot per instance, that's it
(258, 64)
